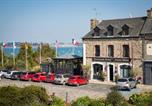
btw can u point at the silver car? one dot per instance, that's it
(61, 78)
(9, 74)
(126, 83)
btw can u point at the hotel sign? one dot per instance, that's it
(106, 59)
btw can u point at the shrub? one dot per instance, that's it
(143, 99)
(82, 101)
(97, 102)
(114, 98)
(102, 76)
(28, 96)
(86, 101)
(34, 94)
(9, 96)
(57, 102)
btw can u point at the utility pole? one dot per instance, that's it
(2, 55)
(14, 57)
(40, 53)
(26, 61)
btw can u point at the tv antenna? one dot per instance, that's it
(96, 12)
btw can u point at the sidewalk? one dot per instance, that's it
(142, 86)
(102, 82)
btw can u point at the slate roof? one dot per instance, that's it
(137, 26)
(68, 57)
(147, 29)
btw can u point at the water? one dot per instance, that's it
(65, 50)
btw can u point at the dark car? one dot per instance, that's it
(77, 80)
(16, 75)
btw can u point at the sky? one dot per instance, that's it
(61, 20)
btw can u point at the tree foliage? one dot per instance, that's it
(28, 96)
(21, 57)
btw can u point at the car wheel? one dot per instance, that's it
(2, 76)
(64, 83)
(129, 89)
(135, 86)
(78, 84)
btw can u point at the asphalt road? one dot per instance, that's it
(91, 90)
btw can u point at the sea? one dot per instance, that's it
(64, 49)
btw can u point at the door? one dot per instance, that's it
(147, 77)
(111, 72)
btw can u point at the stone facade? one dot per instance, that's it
(135, 48)
(120, 48)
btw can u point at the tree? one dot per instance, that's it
(21, 57)
(47, 51)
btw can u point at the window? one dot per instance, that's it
(125, 30)
(96, 31)
(109, 30)
(110, 50)
(97, 50)
(125, 50)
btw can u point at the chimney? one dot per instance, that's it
(149, 13)
(93, 23)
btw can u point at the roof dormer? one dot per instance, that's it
(110, 30)
(96, 31)
(125, 30)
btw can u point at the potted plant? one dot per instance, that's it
(86, 71)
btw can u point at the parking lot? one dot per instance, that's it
(91, 90)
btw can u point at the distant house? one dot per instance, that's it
(120, 47)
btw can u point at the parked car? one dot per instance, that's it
(16, 75)
(126, 83)
(61, 79)
(3, 72)
(50, 77)
(9, 74)
(26, 76)
(39, 77)
(77, 80)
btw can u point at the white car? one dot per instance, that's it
(126, 83)
(3, 73)
(9, 74)
(61, 78)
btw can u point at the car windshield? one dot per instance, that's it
(24, 73)
(58, 76)
(15, 73)
(72, 77)
(36, 76)
(122, 80)
(31, 73)
(9, 72)
(66, 76)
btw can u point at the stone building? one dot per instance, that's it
(118, 47)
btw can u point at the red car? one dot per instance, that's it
(39, 77)
(26, 76)
(50, 77)
(77, 80)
